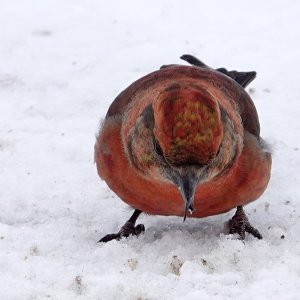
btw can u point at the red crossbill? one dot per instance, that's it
(184, 141)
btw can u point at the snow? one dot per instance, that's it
(62, 63)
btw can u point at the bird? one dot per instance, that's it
(184, 141)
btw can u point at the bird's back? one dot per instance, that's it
(208, 77)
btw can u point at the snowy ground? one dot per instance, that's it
(61, 64)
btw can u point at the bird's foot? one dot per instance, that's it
(128, 229)
(240, 224)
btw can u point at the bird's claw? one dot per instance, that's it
(109, 237)
(128, 229)
(240, 224)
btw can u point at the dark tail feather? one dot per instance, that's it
(242, 78)
(193, 60)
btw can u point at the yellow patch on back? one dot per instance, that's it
(147, 159)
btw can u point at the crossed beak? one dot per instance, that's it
(187, 185)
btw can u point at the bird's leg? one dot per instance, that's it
(127, 229)
(240, 224)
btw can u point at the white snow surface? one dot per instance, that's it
(62, 63)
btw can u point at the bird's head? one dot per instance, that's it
(185, 137)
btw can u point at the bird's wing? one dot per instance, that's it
(249, 114)
(122, 101)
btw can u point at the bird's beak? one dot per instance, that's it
(187, 185)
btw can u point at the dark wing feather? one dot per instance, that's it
(242, 78)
